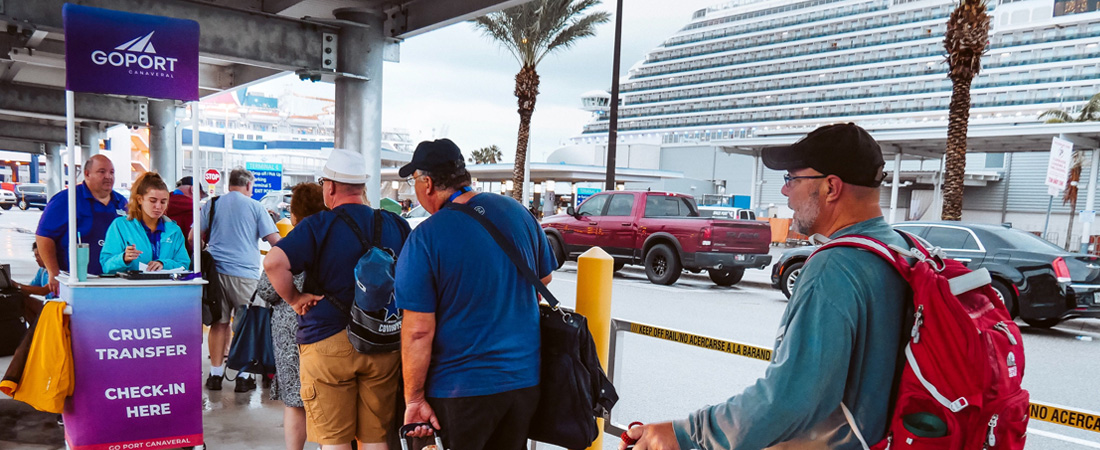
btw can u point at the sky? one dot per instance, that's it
(456, 83)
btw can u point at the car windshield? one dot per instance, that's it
(1028, 242)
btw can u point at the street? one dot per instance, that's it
(662, 380)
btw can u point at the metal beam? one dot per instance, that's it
(14, 145)
(421, 16)
(50, 104)
(245, 37)
(31, 132)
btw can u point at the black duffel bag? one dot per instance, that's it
(12, 323)
(573, 388)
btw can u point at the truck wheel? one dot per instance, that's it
(662, 265)
(6, 207)
(559, 253)
(726, 277)
(789, 277)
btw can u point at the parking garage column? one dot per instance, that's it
(54, 174)
(90, 135)
(162, 138)
(359, 100)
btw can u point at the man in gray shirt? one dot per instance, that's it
(233, 240)
(840, 336)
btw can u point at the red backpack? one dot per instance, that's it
(964, 358)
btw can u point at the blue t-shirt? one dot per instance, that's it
(239, 224)
(92, 221)
(41, 279)
(487, 318)
(327, 249)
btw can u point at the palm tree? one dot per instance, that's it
(1090, 112)
(487, 155)
(530, 32)
(965, 41)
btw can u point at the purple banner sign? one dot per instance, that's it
(137, 360)
(114, 52)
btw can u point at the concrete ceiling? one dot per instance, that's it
(243, 42)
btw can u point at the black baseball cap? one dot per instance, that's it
(185, 181)
(842, 149)
(431, 155)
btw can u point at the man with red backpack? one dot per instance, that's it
(839, 339)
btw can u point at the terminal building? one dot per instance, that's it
(745, 72)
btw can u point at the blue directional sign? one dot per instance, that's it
(269, 177)
(584, 193)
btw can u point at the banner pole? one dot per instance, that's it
(196, 188)
(71, 142)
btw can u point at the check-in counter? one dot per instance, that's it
(137, 362)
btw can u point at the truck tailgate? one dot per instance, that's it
(740, 236)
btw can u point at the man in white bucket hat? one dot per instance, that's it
(347, 395)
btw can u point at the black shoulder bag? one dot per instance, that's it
(211, 303)
(574, 389)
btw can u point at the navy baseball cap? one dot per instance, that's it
(431, 155)
(842, 149)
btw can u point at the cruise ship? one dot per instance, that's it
(743, 66)
(747, 70)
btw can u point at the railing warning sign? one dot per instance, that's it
(735, 348)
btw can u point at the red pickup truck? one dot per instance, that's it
(663, 232)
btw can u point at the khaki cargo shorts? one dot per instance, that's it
(348, 395)
(234, 292)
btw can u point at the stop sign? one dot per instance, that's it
(212, 176)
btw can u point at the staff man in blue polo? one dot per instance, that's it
(97, 205)
(470, 331)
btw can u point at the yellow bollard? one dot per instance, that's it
(284, 226)
(594, 271)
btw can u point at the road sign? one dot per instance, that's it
(212, 176)
(584, 193)
(1061, 152)
(269, 177)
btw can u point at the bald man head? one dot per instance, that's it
(99, 176)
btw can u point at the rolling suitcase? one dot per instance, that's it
(434, 442)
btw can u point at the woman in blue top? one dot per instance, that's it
(145, 235)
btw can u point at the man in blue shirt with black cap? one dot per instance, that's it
(470, 331)
(97, 205)
(829, 381)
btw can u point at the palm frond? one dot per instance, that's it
(1091, 110)
(534, 29)
(1056, 116)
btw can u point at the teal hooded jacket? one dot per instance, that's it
(172, 251)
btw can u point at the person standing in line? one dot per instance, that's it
(306, 200)
(347, 395)
(840, 336)
(180, 204)
(145, 235)
(470, 331)
(239, 224)
(97, 206)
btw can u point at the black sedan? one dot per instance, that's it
(1039, 282)
(30, 195)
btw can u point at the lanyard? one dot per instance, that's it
(460, 191)
(154, 241)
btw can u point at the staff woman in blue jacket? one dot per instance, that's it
(145, 235)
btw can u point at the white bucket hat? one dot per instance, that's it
(345, 166)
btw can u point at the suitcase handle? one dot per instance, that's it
(626, 438)
(403, 433)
